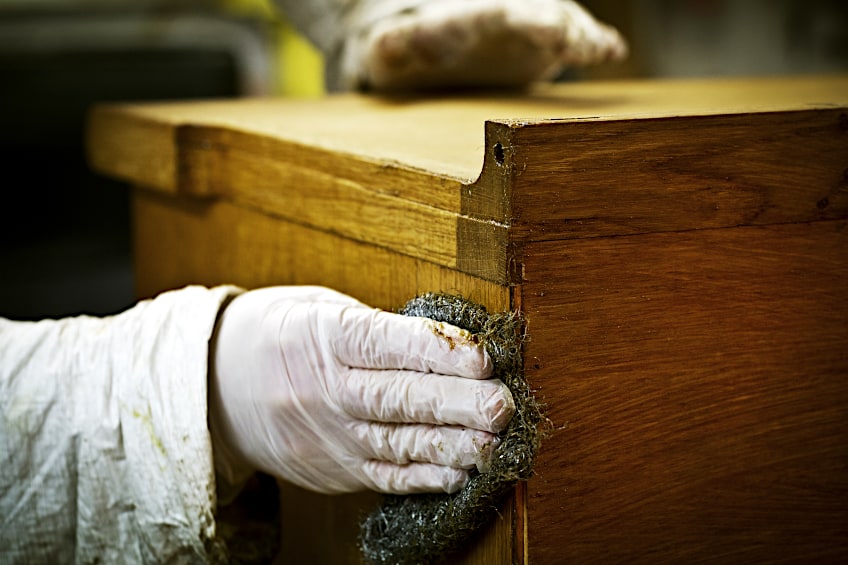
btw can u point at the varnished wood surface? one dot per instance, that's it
(644, 176)
(180, 241)
(698, 383)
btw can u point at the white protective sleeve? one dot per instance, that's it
(105, 453)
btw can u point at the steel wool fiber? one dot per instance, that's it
(417, 529)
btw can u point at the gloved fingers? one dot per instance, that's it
(462, 448)
(426, 398)
(391, 478)
(374, 339)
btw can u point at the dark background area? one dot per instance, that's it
(65, 244)
(65, 232)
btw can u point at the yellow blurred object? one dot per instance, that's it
(298, 66)
(300, 69)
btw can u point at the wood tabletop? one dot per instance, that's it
(442, 136)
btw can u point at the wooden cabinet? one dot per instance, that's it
(679, 250)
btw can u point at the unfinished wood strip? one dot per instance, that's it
(593, 178)
(145, 144)
(382, 177)
(319, 198)
(699, 385)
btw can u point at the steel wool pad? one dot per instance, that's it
(423, 528)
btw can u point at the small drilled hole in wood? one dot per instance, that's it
(498, 150)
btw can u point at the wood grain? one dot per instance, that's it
(698, 383)
(205, 147)
(180, 241)
(612, 177)
(320, 197)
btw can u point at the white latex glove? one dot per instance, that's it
(315, 388)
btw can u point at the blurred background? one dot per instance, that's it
(65, 233)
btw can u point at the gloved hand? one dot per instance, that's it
(315, 388)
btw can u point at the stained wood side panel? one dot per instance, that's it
(614, 177)
(699, 383)
(180, 240)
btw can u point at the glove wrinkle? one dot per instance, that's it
(407, 396)
(323, 391)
